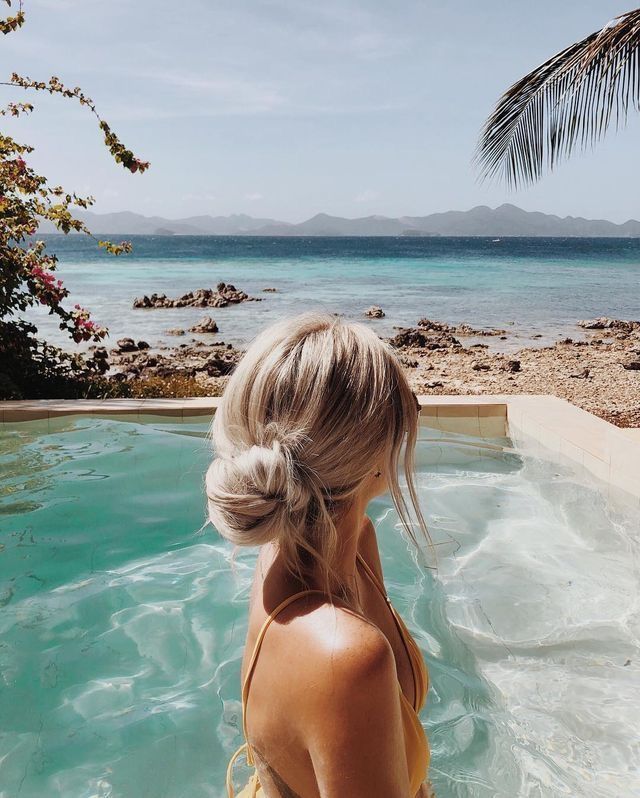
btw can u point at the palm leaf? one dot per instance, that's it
(568, 101)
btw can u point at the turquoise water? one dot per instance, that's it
(122, 621)
(529, 286)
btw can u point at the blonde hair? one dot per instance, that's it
(313, 404)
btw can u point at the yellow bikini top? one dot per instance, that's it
(416, 745)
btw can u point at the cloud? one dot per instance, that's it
(253, 196)
(367, 196)
(63, 5)
(227, 93)
(351, 29)
(195, 197)
(121, 112)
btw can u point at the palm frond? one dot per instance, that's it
(568, 101)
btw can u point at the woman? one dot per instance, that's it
(309, 430)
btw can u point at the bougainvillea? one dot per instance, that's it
(27, 270)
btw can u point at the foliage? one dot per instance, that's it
(27, 270)
(10, 24)
(34, 369)
(568, 101)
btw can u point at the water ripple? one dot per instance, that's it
(122, 629)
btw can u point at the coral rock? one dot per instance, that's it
(205, 325)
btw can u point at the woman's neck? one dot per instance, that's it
(349, 528)
(278, 580)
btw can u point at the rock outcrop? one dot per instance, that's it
(614, 325)
(205, 325)
(223, 295)
(129, 345)
(457, 329)
(416, 338)
(198, 360)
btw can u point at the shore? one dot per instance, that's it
(600, 372)
(591, 374)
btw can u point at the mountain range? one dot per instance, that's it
(506, 220)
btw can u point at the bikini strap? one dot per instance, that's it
(252, 782)
(372, 576)
(254, 656)
(402, 629)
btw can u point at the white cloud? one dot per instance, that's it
(229, 93)
(195, 197)
(351, 29)
(367, 196)
(119, 112)
(253, 196)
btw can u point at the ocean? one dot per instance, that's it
(537, 289)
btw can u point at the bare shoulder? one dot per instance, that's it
(349, 718)
(345, 655)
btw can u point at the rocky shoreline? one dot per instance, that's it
(601, 374)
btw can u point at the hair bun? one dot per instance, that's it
(314, 402)
(252, 494)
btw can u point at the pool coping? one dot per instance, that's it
(606, 452)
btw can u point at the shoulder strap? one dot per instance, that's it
(229, 781)
(402, 629)
(371, 574)
(254, 656)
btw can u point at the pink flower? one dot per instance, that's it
(48, 290)
(84, 328)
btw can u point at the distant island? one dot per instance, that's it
(506, 220)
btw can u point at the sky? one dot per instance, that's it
(287, 108)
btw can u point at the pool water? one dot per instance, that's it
(122, 619)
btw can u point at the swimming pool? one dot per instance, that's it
(122, 624)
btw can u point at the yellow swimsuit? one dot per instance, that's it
(416, 745)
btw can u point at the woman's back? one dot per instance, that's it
(282, 671)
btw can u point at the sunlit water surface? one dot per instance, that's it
(122, 625)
